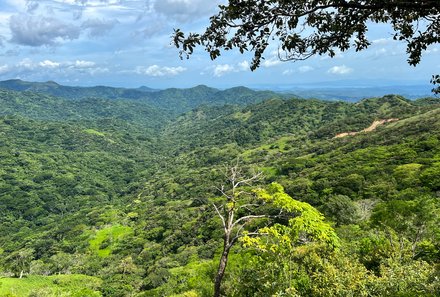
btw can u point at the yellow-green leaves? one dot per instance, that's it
(305, 224)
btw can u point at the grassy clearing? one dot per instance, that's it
(50, 286)
(105, 239)
(93, 132)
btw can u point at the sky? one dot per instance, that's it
(127, 43)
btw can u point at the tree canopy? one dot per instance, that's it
(115, 197)
(305, 28)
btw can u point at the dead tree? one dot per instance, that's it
(235, 213)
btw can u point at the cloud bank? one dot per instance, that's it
(38, 31)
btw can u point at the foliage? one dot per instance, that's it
(305, 28)
(118, 190)
(19, 261)
(436, 82)
(305, 226)
(307, 223)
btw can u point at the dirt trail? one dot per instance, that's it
(372, 127)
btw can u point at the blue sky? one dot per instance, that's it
(127, 43)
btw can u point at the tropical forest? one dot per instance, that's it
(133, 192)
(221, 148)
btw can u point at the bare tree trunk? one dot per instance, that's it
(221, 269)
(21, 273)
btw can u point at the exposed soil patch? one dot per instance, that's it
(372, 127)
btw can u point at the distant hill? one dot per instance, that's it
(40, 106)
(353, 94)
(54, 89)
(174, 100)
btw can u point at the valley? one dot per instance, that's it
(110, 192)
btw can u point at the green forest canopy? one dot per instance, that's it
(116, 197)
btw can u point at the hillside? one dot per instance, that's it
(118, 194)
(45, 107)
(268, 121)
(174, 101)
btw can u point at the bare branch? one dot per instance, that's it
(249, 205)
(220, 215)
(223, 192)
(233, 227)
(247, 218)
(248, 180)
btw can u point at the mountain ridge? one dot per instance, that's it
(175, 100)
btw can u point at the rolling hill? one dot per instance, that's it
(174, 101)
(118, 192)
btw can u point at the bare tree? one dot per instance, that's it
(236, 211)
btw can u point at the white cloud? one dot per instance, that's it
(84, 64)
(158, 71)
(244, 66)
(274, 61)
(302, 69)
(382, 41)
(305, 68)
(67, 68)
(78, 64)
(381, 52)
(220, 70)
(49, 64)
(340, 70)
(97, 70)
(4, 69)
(26, 64)
(31, 6)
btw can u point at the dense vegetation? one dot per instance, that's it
(172, 101)
(113, 196)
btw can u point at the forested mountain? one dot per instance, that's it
(114, 196)
(45, 107)
(174, 101)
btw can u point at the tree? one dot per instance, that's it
(299, 227)
(413, 221)
(304, 28)
(235, 200)
(341, 209)
(436, 82)
(241, 207)
(19, 261)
